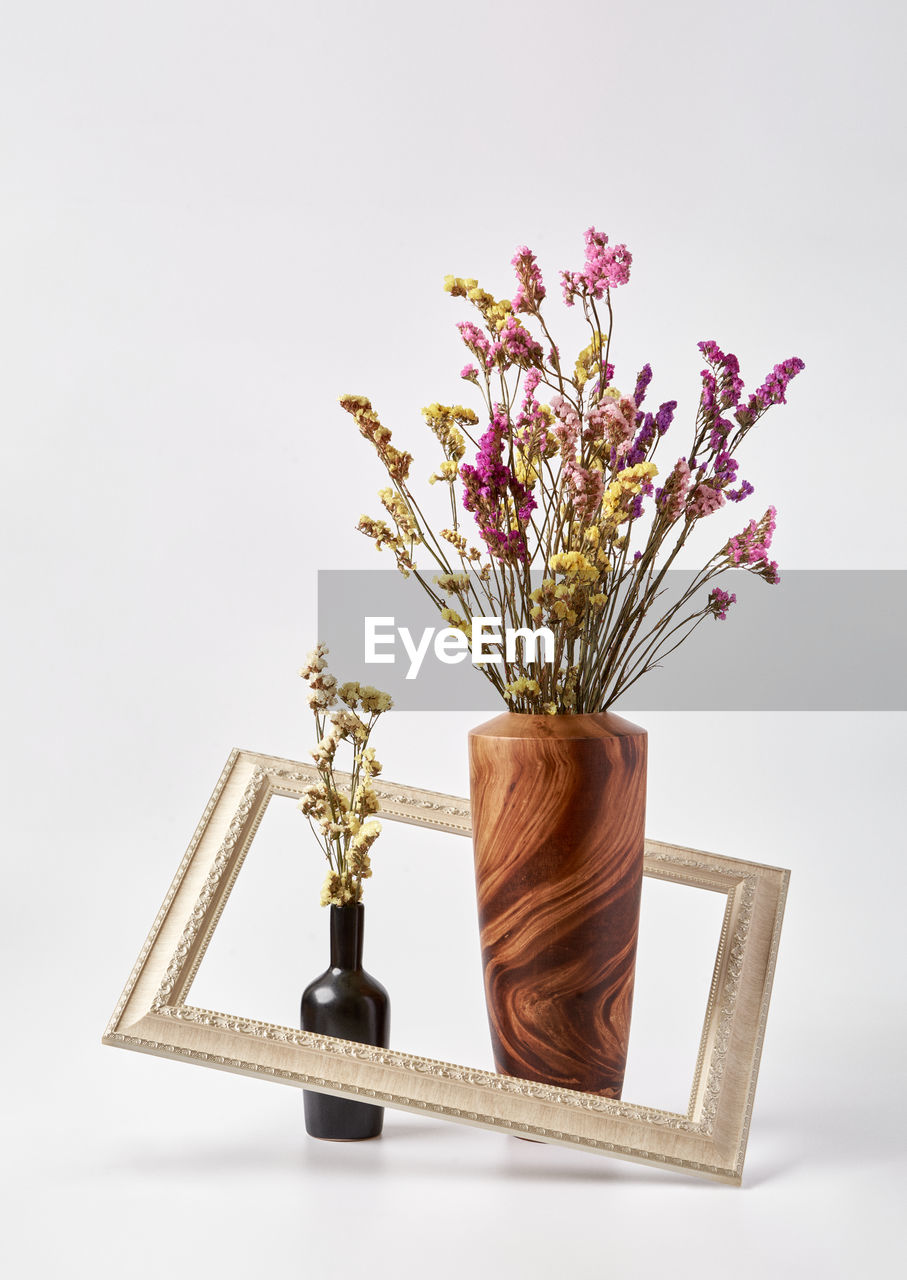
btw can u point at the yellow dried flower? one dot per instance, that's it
(452, 583)
(396, 462)
(384, 536)
(445, 420)
(366, 836)
(522, 685)
(453, 618)
(623, 489)
(447, 471)
(338, 816)
(588, 362)
(455, 539)
(458, 287)
(573, 564)
(404, 519)
(330, 890)
(494, 312)
(523, 469)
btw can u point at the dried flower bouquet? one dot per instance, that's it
(563, 484)
(341, 816)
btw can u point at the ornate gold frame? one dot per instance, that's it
(710, 1140)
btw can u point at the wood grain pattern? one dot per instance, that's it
(558, 835)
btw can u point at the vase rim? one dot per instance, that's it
(597, 724)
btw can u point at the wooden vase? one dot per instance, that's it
(558, 812)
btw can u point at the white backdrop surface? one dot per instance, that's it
(218, 217)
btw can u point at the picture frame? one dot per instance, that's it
(153, 1016)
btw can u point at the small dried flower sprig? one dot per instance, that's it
(341, 816)
(565, 487)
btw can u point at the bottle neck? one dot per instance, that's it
(347, 928)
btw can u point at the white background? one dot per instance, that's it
(216, 218)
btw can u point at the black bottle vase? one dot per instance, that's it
(350, 1004)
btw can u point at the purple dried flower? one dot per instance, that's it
(493, 494)
(640, 446)
(772, 391)
(727, 381)
(665, 416)
(643, 379)
(737, 495)
(775, 386)
(724, 468)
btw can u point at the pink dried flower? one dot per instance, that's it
(518, 344)
(703, 500)
(585, 486)
(749, 549)
(530, 289)
(568, 426)
(476, 341)
(672, 498)
(533, 378)
(720, 601)
(607, 266)
(613, 422)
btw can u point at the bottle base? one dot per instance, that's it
(341, 1119)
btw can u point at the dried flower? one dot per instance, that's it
(720, 602)
(562, 483)
(338, 813)
(530, 289)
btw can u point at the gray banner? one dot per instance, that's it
(822, 640)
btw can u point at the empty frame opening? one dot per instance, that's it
(679, 933)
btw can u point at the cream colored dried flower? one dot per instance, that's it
(349, 693)
(374, 700)
(314, 662)
(339, 818)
